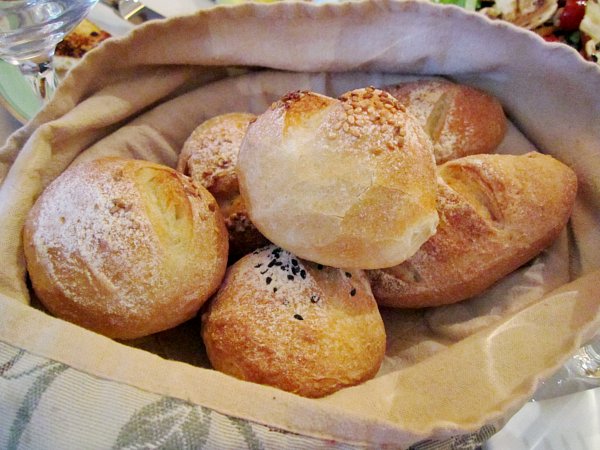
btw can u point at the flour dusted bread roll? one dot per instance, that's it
(209, 156)
(459, 119)
(295, 325)
(346, 182)
(496, 213)
(125, 248)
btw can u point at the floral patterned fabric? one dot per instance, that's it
(47, 405)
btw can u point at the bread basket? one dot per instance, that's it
(449, 372)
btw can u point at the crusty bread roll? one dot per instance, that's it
(496, 213)
(459, 119)
(345, 183)
(125, 248)
(209, 156)
(295, 325)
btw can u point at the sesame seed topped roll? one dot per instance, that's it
(209, 157)
(346, 182)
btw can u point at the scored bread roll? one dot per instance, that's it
(209, 156)
(460, 120)
(125, 248)
(496, 213)
(295, 325)
(346, 182)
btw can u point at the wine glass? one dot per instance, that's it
(29, 33)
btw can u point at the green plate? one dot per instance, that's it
(16, 95)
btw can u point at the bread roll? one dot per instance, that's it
(459, 119)
(125, 248)
(496, 213)
(209, 157)
(294, 325)
(344, 183)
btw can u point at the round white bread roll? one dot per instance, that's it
(209, 156)
(295, 325)
(125, 248)
(344, 183)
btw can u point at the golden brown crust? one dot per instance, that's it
(209, 156)
(496, 213)
(460, 120)
(125, 248)
(295, 325)
(346, 182)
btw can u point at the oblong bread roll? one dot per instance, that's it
(496, 213)
(460, 120)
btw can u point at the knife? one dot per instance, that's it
(133, 11)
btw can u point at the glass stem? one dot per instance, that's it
(588, 359)
(41, 76)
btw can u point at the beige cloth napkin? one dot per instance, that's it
(447, 370)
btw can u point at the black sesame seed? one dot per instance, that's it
(258, 265)
(353, 292)
(303, 274)
(320, 266)
(298, 317)
(274, 289)
(295, 270)
(268, 280)
(314, 298)
(272, 263)
(348, 274)
(290, 277)
(264, 271)
(294, 262)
